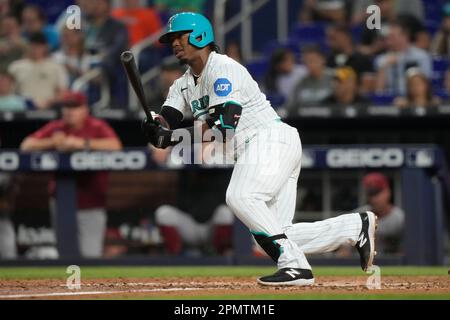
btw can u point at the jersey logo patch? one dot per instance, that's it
(223, 87)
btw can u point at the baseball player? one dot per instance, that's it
(221, 93)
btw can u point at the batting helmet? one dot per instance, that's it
(197, 24)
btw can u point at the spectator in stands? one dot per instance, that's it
(78, 131)
(174, 6)
(283, 73)
(418, 92)
(345, 89)
(423, 40)
(401, 55)
(12, 45)
(316, 86)
(190, 226)
(398, 7)
(9, 101)
(441, 41)
(107, 38)
(141, 21)
(373, 41)
(169, 73)
(323, 10)
(34, 20)
(390, 217)
(72, 54)
(343, 53)
(38, 78)
(11, 7)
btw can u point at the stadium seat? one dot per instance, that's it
(276, 100)
(292, 43)
(258, 68)
(382, 99)
(440, 66)
(310, 34)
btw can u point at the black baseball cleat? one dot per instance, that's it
(288, 277)
(366, 240)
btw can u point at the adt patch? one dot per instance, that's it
(222, 87)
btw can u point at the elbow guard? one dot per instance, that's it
(225, 116)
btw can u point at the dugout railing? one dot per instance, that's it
(419, 172)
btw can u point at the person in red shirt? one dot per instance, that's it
(141, 22)
(77, 131)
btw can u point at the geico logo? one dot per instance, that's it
(9, 161)
(373, 157)
(133, 160)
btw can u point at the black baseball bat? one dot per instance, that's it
(132, 72)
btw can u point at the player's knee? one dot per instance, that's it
(166, 215)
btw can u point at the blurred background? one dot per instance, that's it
(372, 107)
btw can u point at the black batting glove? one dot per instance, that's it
(156, 134)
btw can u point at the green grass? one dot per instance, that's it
(186, 271)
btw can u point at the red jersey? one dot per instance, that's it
(91, 186)
(141, 22)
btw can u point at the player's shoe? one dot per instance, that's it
(288, 277)
(366, 240)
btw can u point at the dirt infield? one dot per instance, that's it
(211, 287)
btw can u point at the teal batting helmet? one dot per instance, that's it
(197, 24)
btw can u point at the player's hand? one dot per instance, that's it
(156, 134)
(73, 143)
(58, 140)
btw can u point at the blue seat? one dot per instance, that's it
(384, 99)
(292, 44)
(440, 66)
(276, 100)
(258, 68)
(309, 33)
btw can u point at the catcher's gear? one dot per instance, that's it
(202, 33)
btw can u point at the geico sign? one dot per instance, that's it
(372, 157)
(133, 160)
(9, 161)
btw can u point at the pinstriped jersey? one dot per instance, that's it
(222, 79)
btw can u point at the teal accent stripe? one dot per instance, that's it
(261, 233)
(231, 102)
(223, 125)
(200, 114)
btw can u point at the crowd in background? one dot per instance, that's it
(345, 64)
(40, 62)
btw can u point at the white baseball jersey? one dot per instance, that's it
(262, 194)
(222, 79)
